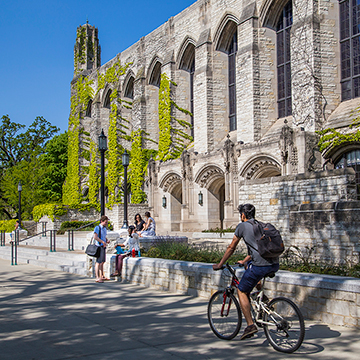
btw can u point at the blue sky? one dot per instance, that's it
(37, 40)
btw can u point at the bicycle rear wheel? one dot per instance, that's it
(287, 331)
(224, 315)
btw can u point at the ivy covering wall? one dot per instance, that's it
(330, 138)
(173, 138)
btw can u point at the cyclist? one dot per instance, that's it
(256, 266)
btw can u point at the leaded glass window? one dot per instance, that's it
(350, 48)
(284, 61)
(232, 82)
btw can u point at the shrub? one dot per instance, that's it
(186, 252)
(7, 225)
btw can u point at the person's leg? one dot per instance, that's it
(101, 270)
(245, 307)
(98, 271)
(121, 258)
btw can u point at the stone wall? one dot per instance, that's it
(332, 228)
(332, 299)
(286, 201)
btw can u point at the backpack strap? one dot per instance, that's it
(253, 223)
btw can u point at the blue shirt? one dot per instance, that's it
(103, 234)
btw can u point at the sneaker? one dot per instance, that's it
(249, 332)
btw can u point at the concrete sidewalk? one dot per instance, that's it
(46, 314)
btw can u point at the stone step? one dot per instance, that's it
(67, 261)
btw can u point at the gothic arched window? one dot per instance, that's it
(283, 61)
(107, 100)
(192, 72)
(351, 159)
(232, 82)
(129, 89)
(88, 109)
(350, 48)
(156, 75)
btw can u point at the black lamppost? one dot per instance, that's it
(102, 149)
(19, 191)
(125, 163)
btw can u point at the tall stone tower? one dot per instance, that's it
(87, 51)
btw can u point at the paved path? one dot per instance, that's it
(46, 314)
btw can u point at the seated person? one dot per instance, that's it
(149, 228)
(131, 243)
(139, 223)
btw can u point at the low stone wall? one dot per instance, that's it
(314, 209)
(332, 299)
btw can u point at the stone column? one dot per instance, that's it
(306, 65)
(203, 95)
(247, 77)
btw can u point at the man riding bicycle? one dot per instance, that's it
(256, 266)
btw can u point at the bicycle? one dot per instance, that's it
(280, 318)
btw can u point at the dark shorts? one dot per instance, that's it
(253, 274)
(102, 255)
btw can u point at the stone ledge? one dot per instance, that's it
(334, 299)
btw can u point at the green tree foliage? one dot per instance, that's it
(54, 162)
(21, 159)
(30, 173)
(15, 147)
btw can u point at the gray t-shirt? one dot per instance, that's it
(250, 233)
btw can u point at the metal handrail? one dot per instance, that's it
(71, 235)
(16, 242)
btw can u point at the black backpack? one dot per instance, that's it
(270, 243)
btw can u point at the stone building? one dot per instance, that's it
(260, 78)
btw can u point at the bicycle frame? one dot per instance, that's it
(257, 304)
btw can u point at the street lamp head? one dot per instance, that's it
(125, 158)
(102, 141)
(19, 186)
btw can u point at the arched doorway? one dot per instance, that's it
(170, 213)
(212, 181)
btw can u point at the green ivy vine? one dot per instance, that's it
(330, 138)
(94, 179)
(173, 140)
(83, 92)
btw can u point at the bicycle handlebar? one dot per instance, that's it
(230, 267)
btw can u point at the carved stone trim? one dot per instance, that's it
(169, 181)
(259, 167)
(206, 176)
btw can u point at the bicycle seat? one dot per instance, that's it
(270, 274)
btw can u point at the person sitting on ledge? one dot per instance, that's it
(149, 227)
(132, 243)
(139, 223)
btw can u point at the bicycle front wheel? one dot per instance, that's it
(224, 315)
(287, 330)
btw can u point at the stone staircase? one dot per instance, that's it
(36, 251)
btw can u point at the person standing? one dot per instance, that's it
(101, 240)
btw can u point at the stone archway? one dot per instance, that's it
(261, 167)
(171, 184)
(211, 180)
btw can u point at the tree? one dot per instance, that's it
(55, 162)
(16, 147)
(30, 173)
(20, 160)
